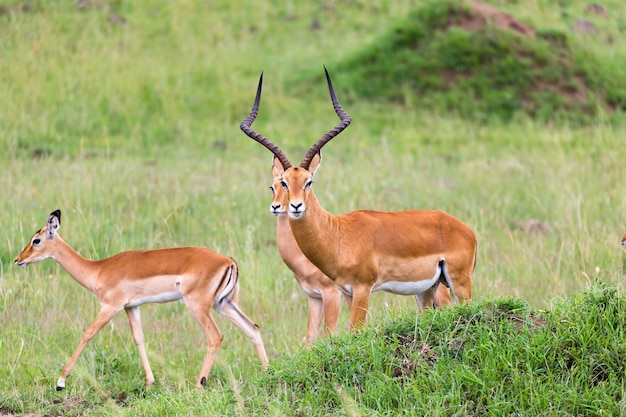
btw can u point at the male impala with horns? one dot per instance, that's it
(405, 252)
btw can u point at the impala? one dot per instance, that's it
(199, 277)
(406, 252)
(624, 241)
(324, 297)
(323, 294)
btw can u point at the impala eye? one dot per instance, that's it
(284, 184)
(308, 184)
(272, 189)
(36, 241)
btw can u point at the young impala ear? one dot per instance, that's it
(315, 163)
(54, 222)
(277, 168)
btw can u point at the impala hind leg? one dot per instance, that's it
(105, 315)
(426, 299)
(443, 296)
(460, 282)
(232, 311)
(213, 336)
(135, 326)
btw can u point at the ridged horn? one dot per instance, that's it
(245, 127)
(345, 122)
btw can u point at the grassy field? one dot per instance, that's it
(125, 117)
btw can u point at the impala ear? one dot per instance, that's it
(277, 168)
(315, 163)
(54, 222)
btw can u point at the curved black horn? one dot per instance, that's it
(245, 126)
(345, 122)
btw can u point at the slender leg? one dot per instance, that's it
(442, 298)
(213, 336)
(316, 310)
(234, 314)
(427, 298)
(135, 326)
(332, 303)
(105, 315)
(360, 304)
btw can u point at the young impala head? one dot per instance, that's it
(296, 181)
(39, 247)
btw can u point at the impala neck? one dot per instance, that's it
(318, 235)
(80, 268)
(284, 237)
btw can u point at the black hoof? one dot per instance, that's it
(59, 388)
(203, 381)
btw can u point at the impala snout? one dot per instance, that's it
(21, 261)
(296, 209)
(276, 209)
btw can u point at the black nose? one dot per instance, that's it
(296, 206)
(275, 206)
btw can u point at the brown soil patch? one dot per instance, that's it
(483, 14)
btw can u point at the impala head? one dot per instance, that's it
(280, 202)
(294, 181)
(41, 243)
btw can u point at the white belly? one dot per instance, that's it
(164, 297)
(409, 287)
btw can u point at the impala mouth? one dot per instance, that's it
(277, 212)
(21, 264)
(296, 214)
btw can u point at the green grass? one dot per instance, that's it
(485, 74)
(132, 130)
(493, 357)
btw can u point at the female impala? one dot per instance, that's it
(407, 252)
(324, 296)
(198, 276)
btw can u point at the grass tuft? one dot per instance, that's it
(496, 354)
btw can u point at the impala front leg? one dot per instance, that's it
(135, 327)
(332, 303)
(316, 311)
(360, 304)
(105, 315)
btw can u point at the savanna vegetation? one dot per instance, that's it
(125, 116)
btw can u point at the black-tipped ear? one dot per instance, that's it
(54, 222)
(57, 213)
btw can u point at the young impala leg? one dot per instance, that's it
(213, 336)
(105, 315)
(231, 310)
(135, 327)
